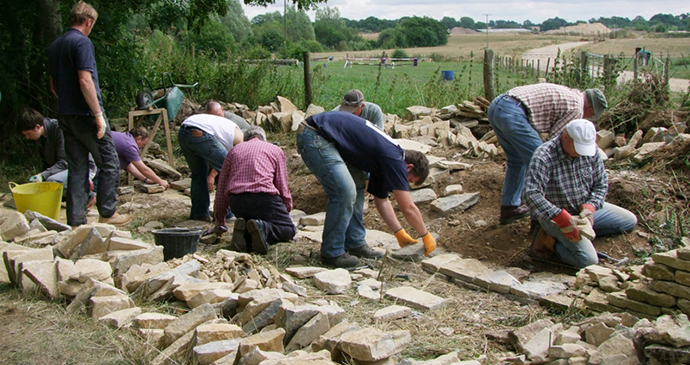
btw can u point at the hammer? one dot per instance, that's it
(616, 262)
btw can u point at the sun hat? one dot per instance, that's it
(584, 136)
(598, 101)
(351, 101)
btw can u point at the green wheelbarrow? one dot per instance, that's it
(169, 96)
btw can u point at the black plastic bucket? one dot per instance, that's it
(177, 242)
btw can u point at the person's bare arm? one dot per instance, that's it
(410, 211)
(385, 209)
(211, 179)
(52, 87)
(146, 172)
(88, 89)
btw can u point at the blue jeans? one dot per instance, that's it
(610, 219)
(518, 139)
(344, 185)
(200, 152)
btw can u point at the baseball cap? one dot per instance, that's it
(598, 101)
(351, 101)
(584, 135)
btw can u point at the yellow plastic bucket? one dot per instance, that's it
(43, 197)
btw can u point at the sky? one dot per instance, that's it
(517, 10)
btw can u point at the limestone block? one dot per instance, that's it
(187, 291)
(121, 261)
(121, 318)
(415, 297)
(208, 353)
(644, 293)
(333, 281)
(44, 274)
(684, 305)
(670, 258)
(617, 345)
(571, 335)
(408, 144)
(330, 340)
(70, 288)
(684, 252)
(658, 271)
(597, 301)
(423, 195)
(683, 277)
(210, 296)
(674, 289)
(566, 351)
(293, 318)
(100, 306)
(454, 165)
(519, 337)
(605, 138)
(285, 105)
(162, 167)
(153, 337)
(85, 269)
(15, 225)
(186, 323)
(206, 333)
(370, 344)
(316, 219)
(598, 334)
(14, 258)
(454, 203)
(67, 246)
(304, 272)
(266, 316)
(150, 188)
(465, 269)
(454, 189)
(125, 244)
(256, 356)
(152, 320)
(182, 185)
(175, 351)
(311, 331)
(537, 348)
(266, 341)
(47, 222)
(392, 312)
(499, 281)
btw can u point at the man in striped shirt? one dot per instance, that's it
(520, 116)
(565, 188)
(253, 181)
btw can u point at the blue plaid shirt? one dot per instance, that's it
(557, 181)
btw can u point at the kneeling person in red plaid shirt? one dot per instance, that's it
(253, 181)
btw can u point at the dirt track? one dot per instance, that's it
(544, 54)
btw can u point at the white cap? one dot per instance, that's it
(584, 135)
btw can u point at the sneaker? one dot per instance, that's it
(343, 261)
(238, 242)
(257, 229)
(116, 220)
(365, 252)
(510, 214)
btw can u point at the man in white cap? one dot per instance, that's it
(522, 118)
(565, 188)
(353, 102)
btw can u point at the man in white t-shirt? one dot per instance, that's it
(205, 140)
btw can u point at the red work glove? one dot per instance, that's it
(568, 225)
(403, 238)
(429, 243)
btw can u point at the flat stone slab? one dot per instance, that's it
(465, 269)
(304, 272)
(415, 297)
(454, 203)
(336, 281)
(423, 195)
(408, 144)
(454, 189)
(392, 312)
(317, 219)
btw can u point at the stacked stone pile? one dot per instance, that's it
(239, 312)
(641, 146)
(603, 339)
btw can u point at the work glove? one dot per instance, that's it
(403, 238)
(568, 225)
(36, 178)
(429, 243)
(100, 124)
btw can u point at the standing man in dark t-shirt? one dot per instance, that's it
(74, 80)
(339, 147)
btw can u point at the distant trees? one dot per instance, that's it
(415, 32)
(553, 23)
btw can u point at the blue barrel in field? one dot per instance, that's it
(448, 75)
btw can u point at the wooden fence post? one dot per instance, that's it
(667, 67)
(583, 67)
(489, 74)
(538, 67)
(307, 80)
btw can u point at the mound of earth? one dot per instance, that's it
(461, 30)
(582, 29)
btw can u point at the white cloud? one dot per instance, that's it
(518, 10)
